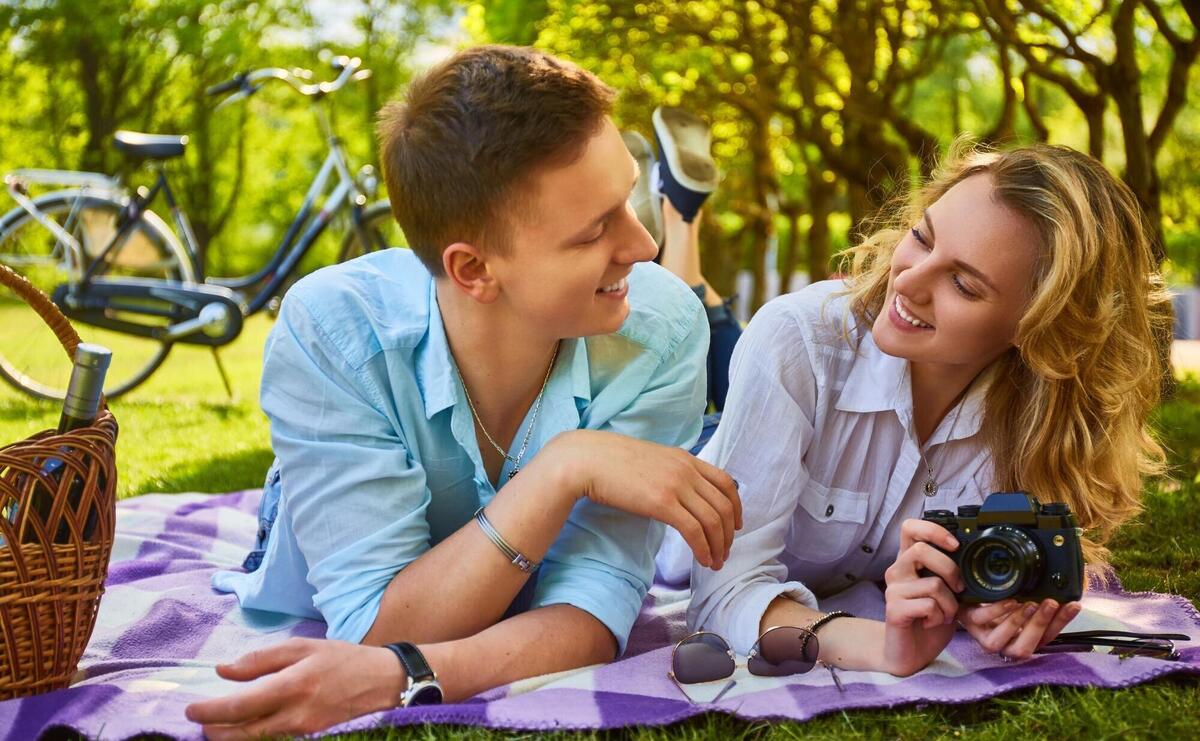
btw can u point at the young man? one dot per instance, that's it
(524, 359)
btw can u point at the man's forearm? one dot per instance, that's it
(464, 584)
(542, 641)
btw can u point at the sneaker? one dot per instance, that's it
(645, 198)
(687, 170)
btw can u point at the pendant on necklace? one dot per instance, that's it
(931, 487)
(513, 472)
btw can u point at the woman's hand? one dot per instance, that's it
(920, 609)
(656, 481)
(313, 684)
(1016, 630)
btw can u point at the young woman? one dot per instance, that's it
(998, 336)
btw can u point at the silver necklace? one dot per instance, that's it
(537, 407)
(931, 484)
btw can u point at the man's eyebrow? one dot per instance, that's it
(965, 267)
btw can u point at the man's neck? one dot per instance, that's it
(503, 362)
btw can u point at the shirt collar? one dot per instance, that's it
(436, 376)
(879, 382)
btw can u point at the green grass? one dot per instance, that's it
(180, 432)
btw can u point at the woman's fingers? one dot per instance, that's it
(983, 616)
(1030, 637)
(995, 640)
(908, 611)
(914, 530)
(930, 587)
(923, 556)
(1065, 615)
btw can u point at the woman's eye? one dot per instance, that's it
(917, 235)
(963, 289)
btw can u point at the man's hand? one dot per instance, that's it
(313, 684)
(920, 610)
(1016, 630)
(656, 481)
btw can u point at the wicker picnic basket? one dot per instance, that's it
(50, 591)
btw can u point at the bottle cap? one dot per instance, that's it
(91, 355)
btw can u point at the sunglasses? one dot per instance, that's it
(778, 652)
(1121, 643)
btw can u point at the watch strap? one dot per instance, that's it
(413, 661)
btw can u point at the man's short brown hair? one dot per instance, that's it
(471, 131)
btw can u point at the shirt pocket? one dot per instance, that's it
(827, 524)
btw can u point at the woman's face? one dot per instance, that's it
(960, 281)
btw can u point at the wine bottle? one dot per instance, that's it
(80, 407)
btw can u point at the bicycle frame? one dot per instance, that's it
(299, 238)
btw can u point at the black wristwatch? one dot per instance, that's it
(423, 687)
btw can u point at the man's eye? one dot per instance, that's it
(596, 238)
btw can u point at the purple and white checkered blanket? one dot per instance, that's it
(161, 629)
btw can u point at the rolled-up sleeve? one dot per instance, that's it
(603, 562)
(354, 499)
(764, 430)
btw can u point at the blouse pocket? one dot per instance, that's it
(827, 524)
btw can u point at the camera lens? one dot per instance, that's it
(1001, 562)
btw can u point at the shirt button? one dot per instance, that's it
(829, 511)
(867, 549)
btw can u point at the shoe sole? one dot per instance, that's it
(647, 203)
(686, 141)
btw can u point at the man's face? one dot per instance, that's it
(574, 243)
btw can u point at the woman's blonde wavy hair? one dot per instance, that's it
(1065, 417)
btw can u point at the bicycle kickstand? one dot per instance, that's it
(224, 375)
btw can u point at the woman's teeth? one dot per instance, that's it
(909, 318)
(615, 286)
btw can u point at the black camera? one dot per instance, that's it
(1015, 547)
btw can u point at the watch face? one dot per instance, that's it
(426, 694)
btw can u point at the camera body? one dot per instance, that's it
(1012, 546)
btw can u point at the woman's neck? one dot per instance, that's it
(936, 388)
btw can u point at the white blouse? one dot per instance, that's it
(820, 438)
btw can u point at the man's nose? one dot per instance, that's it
(636, 245)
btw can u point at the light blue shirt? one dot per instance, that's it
(376, 448)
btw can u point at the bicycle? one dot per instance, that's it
(125, 278)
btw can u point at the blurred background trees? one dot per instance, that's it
(822, 110)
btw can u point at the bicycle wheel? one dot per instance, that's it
(30, 357)
(379, 231)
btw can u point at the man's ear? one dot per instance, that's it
(467, 268)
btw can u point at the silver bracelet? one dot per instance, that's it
(512, 554)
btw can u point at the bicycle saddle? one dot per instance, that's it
(150, 146)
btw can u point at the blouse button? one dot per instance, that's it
(867, 549)
(829, 511)
(851, 577)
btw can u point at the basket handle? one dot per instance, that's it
(45, 308)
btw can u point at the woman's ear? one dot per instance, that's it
(467, 268)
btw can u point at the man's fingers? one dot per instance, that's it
(914, 530)
(724, 508)
(243, 707)
(266, 660)
(693, 534)
(726, 485)
(710, 522)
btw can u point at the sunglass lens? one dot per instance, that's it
(702, 658)
(783, 651)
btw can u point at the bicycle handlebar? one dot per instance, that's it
(347, 67)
